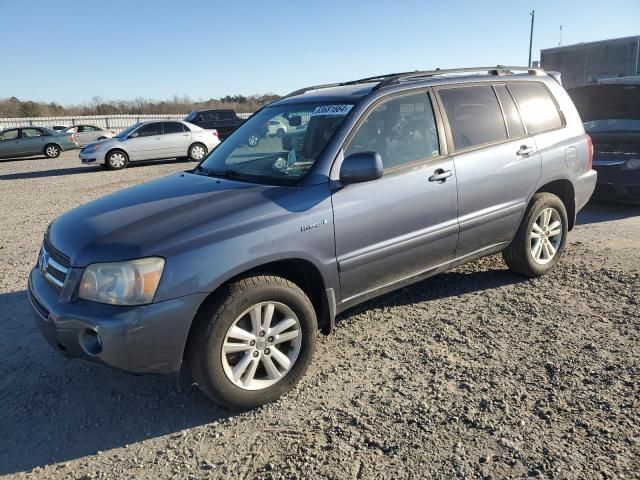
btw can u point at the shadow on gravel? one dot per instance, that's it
(19, 159)
(54, 410)
(601, 211)
(57, 172)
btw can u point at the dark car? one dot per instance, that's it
(611, 116)
(224, 121)
(233, 267)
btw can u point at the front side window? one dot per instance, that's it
(150, 130)
(538, 109)
(10, 134)
(251, 154)
(401, 130)
(474, 116)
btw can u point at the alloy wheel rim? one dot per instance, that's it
(52, 151)
(197, 152)
(261, 346)
(253, 140)
(117, 160)
(546, 236)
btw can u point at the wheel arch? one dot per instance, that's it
(563, 189)
(116, 149)
(303, 273)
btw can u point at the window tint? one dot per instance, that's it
(10, 134)
(150, 130)
(173, 127)
(539, 112)
(474, 116)
(227, 115)
(31, 132)
(514, 122)
(401, 130)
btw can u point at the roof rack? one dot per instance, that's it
(396, 78)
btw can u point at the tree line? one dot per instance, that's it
(14, 107)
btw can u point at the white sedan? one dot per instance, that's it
(150, 141)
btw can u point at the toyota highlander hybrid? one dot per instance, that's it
(233, 267)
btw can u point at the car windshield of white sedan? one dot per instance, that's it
(277, 145)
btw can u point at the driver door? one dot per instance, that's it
(146, 142)
(405, 223)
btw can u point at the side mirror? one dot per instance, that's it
(361, 167)
(134, 135)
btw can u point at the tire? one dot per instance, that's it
(232, 306)
(529, 254)
(197, 152)
(116, 160)
(253, 140)
(52, 150)
(280, 133)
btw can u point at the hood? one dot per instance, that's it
(607, 101)
(159, 217)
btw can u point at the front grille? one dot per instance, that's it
(57, 255)
(36, 304)
(53, 265)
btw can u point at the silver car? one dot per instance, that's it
(149, 141)
(28, 141)
(86, 134)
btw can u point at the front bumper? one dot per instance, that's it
(91, 157)
(144, 339)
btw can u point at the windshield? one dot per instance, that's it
(192, 116)
(278, 145)
(613, 125)
(127, 131)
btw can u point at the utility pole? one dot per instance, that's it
(533, 17)
(560, 42)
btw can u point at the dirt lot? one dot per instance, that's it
(475, 373)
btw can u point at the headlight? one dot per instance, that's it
(632, 164)
(122, 283)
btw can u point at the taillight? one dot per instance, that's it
(590, 150)
(215, 132)
(73, 137)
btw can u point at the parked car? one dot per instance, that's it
(29, 141)
(224, 121)
(277, 128)
(236, 265)
(151, 140)
(86, 134)
(612, 118)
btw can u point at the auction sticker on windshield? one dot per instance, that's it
(331, 110)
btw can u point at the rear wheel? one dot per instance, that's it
(280, 133)
(253, 140)
(197, 152)
(116, 160)
(541, 237)
(52, 150)
(253, 342)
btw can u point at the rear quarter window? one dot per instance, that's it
(538, 109)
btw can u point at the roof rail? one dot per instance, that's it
(396, 78)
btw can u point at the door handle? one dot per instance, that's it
(525, 151)
(440, 175)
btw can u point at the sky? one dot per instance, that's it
(69, 52)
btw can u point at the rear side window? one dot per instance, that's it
(511, 115)
(474, 116)
(538, 109)
(31, 132)
(401, 130)
(173, 127)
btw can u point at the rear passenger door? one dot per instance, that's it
(403, 224)
(176, 139)
(496, 163)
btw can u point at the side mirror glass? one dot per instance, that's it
(361, 167)
(134, 135)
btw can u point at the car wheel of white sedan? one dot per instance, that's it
(197, 152)
(116, 160)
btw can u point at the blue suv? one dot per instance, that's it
(234, 266)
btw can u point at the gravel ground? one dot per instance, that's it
(475, 373)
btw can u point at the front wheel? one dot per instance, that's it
(116, 160)
(253, 341)
(52, 151)
(541, 237)
(253, 140)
